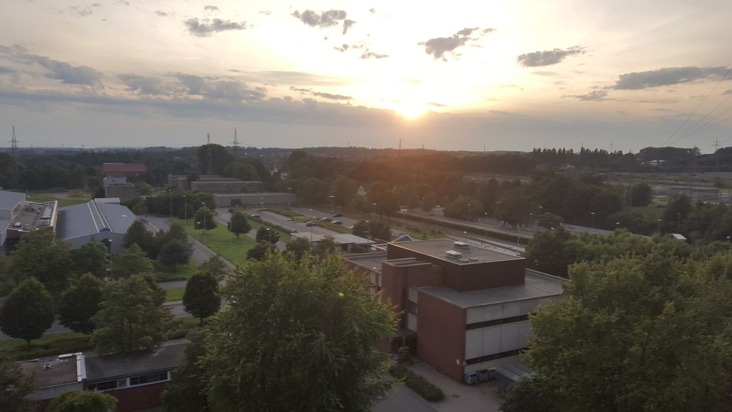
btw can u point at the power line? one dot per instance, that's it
(697, 107)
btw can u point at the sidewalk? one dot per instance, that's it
(460, 397)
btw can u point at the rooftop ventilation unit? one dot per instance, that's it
(453, 254)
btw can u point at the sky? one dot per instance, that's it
(461, 75)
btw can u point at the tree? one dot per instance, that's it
(298, 247)
(641, 194)
(27, 312)
(38, 256)
(129, 318)
(463, 208)
(91, 257)
(646, 333)
(239, 224)
(83, 401)
(131, 261)
(80, 302)
(267, 234)
(321, 327)
(325, 247)
(260, 250)
(175, 253)
(382, 199)
(215, 267)
(201, 298)
(204, 219)
(184, 393)
(343, 189)
(138, 234)
(176, 231)
(549, 220)
(513, 207)
(550, 252)
(15, 387)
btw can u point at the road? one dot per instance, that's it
(400, 398)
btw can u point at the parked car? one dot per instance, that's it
(338, 215)
(337, 222)
(326, 219)
(309, 224)
(255, 215)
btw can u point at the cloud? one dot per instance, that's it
(194, 85)
(320, 94)
(206, 27)
(439, 46)
(68, 74)
(7, 70)
(727, 91)
(161, 13)
(342, 48)
(667, 76)
(368, 54)
(347, 23)
(547, 57)
(211, 8)
(81, 11)
(596, 96)
(325, 19)
(145, 85)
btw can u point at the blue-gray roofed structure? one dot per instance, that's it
(95, 219)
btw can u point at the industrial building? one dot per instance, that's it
(460, 307)
(104, 220)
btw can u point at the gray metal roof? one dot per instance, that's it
(8, 200)
(90, 218)
(168, 356)
(537, 285)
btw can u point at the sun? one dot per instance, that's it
(410, 110)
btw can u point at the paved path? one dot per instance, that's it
(460, 397)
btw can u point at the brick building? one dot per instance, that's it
(460, 307)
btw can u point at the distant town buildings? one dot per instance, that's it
(115, 181)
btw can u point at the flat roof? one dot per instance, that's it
(52, 371)
(123, 168)
(537, 285)
(438, 248)
(371, 261)
(169, 355)
(8, 200)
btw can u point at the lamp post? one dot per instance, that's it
(269, 234)
(592, 219)
(185, 210)
(170, 198)
(485, 224)
(678, 222)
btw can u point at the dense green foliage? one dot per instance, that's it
(90, 257)
(201, 298)
(267, 234)
(15, 386)
(27, 313)
(646, 329)
(86, 401)
(296, 333)
(185, 392)
(239, 224)
(131, 261)
(80, 302)
(417, 383)
(37, 256)
(130, 318)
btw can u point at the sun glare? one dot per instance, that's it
(410, 110)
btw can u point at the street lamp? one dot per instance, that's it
(269, 234)
(678, 222)
(185, 210)
(592, 219)
(170, 198)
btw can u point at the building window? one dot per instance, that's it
(108, 385)
(412, 307)
(496, 322)
(149, 378)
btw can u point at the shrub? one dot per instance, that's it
(417, 383)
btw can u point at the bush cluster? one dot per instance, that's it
(417, 383)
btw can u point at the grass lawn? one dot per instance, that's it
(74, 198)
(183, 272)
(46, 346)
(223, 242)
(174, 294)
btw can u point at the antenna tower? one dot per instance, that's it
(236, 141)
(13, 142)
